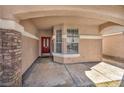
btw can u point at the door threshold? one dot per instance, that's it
(46, 55)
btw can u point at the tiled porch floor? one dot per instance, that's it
(46, 73)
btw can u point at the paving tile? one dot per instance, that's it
(47, 74)
(78, 74)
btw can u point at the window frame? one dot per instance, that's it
(58, 41)
(72, 40)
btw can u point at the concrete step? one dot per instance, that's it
(97, 77)
(104, 74)
(46, 54)
(110, 71)
(102, 81)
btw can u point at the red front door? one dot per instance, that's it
(45, 44)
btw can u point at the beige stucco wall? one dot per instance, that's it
(29, 27)
(48, 33)
(84, 29)
(114, 45)
(29, 52)
(30, 46)
(89, 49)
(0, 12)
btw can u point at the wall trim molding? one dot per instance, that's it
(10, 24)
(65, 55)
(113, 34)
(83, 37)
(90, 37)
(30, 35)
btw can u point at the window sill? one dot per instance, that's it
(65, 55)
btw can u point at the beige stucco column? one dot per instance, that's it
(54, 39)
(64, 40)
(59, 27)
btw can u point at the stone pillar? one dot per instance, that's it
(1, 60)
(10, 58)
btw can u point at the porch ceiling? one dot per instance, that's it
(109, 13)
(48, 22)
(44, 17)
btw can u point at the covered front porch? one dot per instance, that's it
(85, 43)
(46, 73)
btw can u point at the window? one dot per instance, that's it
(72, 41)
(59, 41)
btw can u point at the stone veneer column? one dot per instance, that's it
(1, 60)
(10, 58)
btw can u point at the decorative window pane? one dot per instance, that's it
(47, 43)
(59, 47)
(72, 41)
(44, 43)
(72, 48)
(58, 41)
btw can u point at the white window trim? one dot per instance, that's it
(65, 55)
